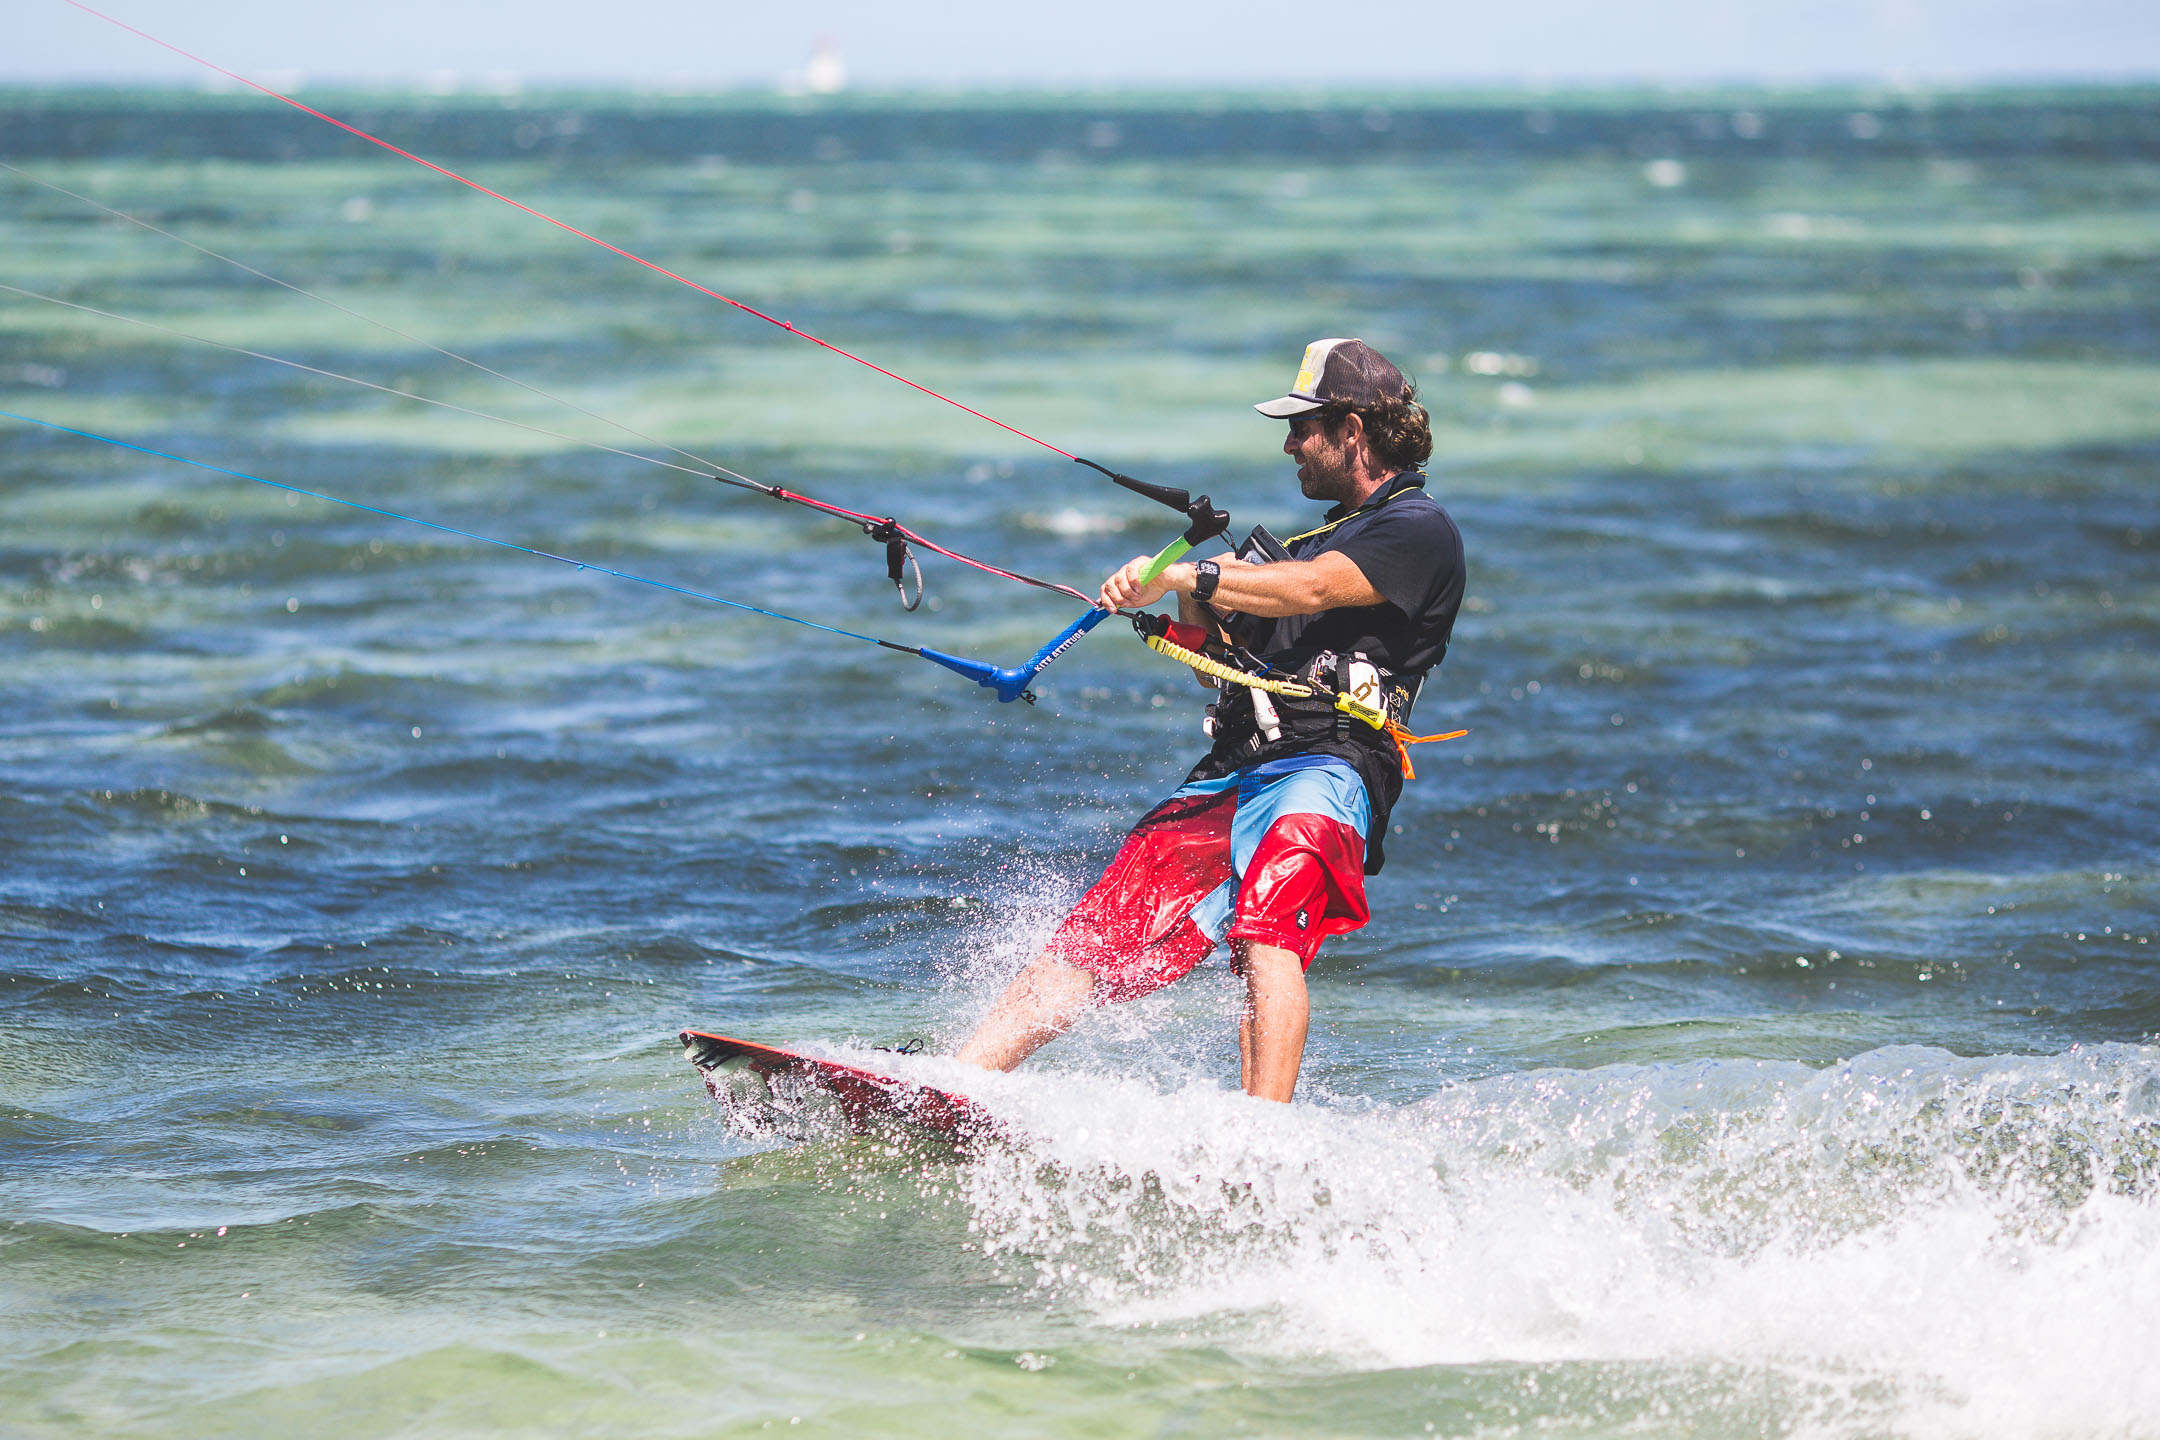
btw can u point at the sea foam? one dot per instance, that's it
(1941, 1245)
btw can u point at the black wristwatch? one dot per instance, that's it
(1206, 576)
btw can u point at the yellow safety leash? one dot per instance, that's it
(1372, 715)
(1162, 645)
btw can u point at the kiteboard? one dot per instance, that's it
(764, 1090)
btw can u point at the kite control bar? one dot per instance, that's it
(1011, 682)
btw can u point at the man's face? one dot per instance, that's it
(1325, 470)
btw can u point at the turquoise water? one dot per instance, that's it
(1757, 1030)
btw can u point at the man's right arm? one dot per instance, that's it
(1329, 581)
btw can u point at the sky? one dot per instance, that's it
(481, 44)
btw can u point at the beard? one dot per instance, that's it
(1325, 475)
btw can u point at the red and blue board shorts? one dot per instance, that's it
(1274, 854)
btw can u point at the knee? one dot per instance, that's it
(1059, 985)
(1268, 965)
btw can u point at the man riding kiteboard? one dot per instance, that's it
(1268, 841)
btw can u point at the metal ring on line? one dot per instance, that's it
(901, 584)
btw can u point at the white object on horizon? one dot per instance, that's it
(826, 74)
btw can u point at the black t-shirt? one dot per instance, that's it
(1410, 551)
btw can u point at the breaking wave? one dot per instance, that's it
(1912, 1239)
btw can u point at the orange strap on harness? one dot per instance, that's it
(1404, 740)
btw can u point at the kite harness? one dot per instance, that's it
(1331, 686)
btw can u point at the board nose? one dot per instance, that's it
(699, 1051)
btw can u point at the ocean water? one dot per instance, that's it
(1758, 1033)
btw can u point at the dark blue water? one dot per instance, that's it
(1756, 1030)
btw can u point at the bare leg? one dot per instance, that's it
(1271, 1031)
(1035, 1009)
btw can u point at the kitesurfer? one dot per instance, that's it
(1268, 841)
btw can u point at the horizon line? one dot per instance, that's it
(504, 85)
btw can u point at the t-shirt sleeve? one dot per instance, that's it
(1408, 556)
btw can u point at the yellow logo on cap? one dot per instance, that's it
(1309, 368)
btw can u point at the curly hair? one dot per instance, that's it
(1396, 427)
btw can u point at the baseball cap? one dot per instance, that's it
(1345, 371)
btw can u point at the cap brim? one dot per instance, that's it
(1288, 406)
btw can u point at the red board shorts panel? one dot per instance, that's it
(1133, 929)
(1302, 882)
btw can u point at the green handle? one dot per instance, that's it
(1166, 559)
